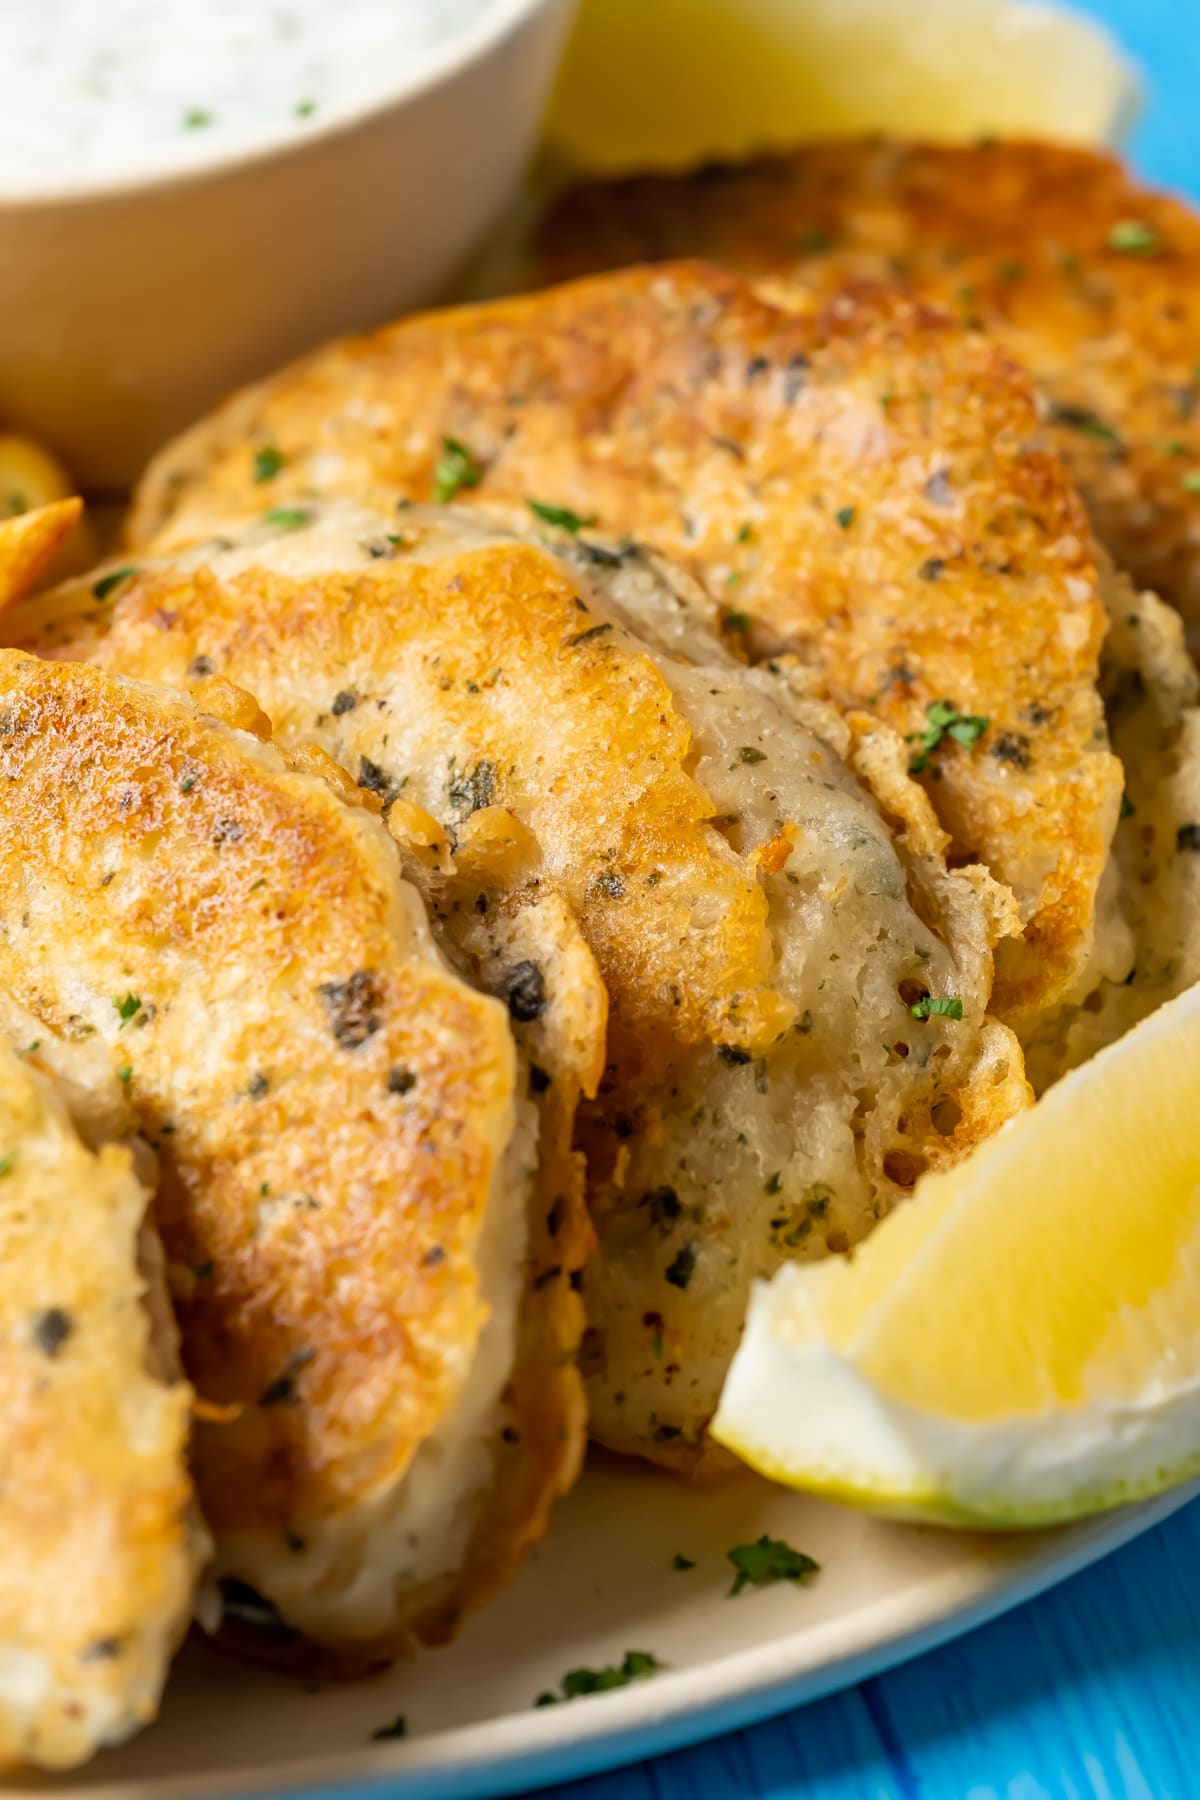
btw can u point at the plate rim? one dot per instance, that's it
(520, 1753)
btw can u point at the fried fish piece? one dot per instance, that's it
(1151, 695)
(863, 484)
(762, 886)
(1090, 279)
(100, 1542)
(346, 1171)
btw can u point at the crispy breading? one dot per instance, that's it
(100, 1544)
(768, 1092)
(865, 482)
(345, 1170)
(29, 542)
(1090, 279)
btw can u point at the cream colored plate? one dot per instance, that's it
(602, 1584)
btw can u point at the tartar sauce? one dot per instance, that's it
(103, 90)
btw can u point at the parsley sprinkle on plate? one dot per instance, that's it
(636, 1665)
(768, 1560)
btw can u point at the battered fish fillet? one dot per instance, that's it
(865, 483)
(100, 1545)
(346, 1172)
(1151, 691)
(762, 885)
(1091, 280)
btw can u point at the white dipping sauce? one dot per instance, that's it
(103, 90)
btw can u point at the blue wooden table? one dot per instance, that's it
(1093, 1692)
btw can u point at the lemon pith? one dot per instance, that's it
(1021, 1342)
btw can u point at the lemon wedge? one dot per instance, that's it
(666, 83)
(1020, 1343)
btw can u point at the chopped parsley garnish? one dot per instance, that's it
(397, 1729)
(103, 588)
(636, 1665)
(1127, 807)
(944, 720)
(682, 1562)
(125, 1075)
(30, 1048)
(846, 516)
(6, 1163)
(933, 1007)
(1081, 418)
(456, 469)
(770, 1559)
(560, 516)
(305, 109)
(750, 753)
(1133, 237)
(268, 460)
(737, 621)
(1191, 482)
(745, 532)
(288, 518)
(196, 118)
(126, 1008)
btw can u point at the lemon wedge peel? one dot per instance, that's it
(668, 83)
(1020, 1344)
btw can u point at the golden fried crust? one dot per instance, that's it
(484, 678)
(1090, 279)
(863, 479)
(99, 1547)
(329, 1103)
(28, 544)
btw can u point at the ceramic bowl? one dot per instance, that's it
(129, 308)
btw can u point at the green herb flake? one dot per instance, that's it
(1133, 237)
(846, 516)
(561, 517)
(944, 720)
(934, 1008)
(737, 621)
(1083, 419)
(268, 460)
(750, 753)
(636, 1665)
(682, 1562)
(768, 1560)
(1191, 482)
(288, 518)
(127, 1008)
(1127, 807)
(305, 109)
(6, 1163)
(196, 119)
(456, 469)
(125, 1075)
(745, 532)
(104, 587)
(397, 1729)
